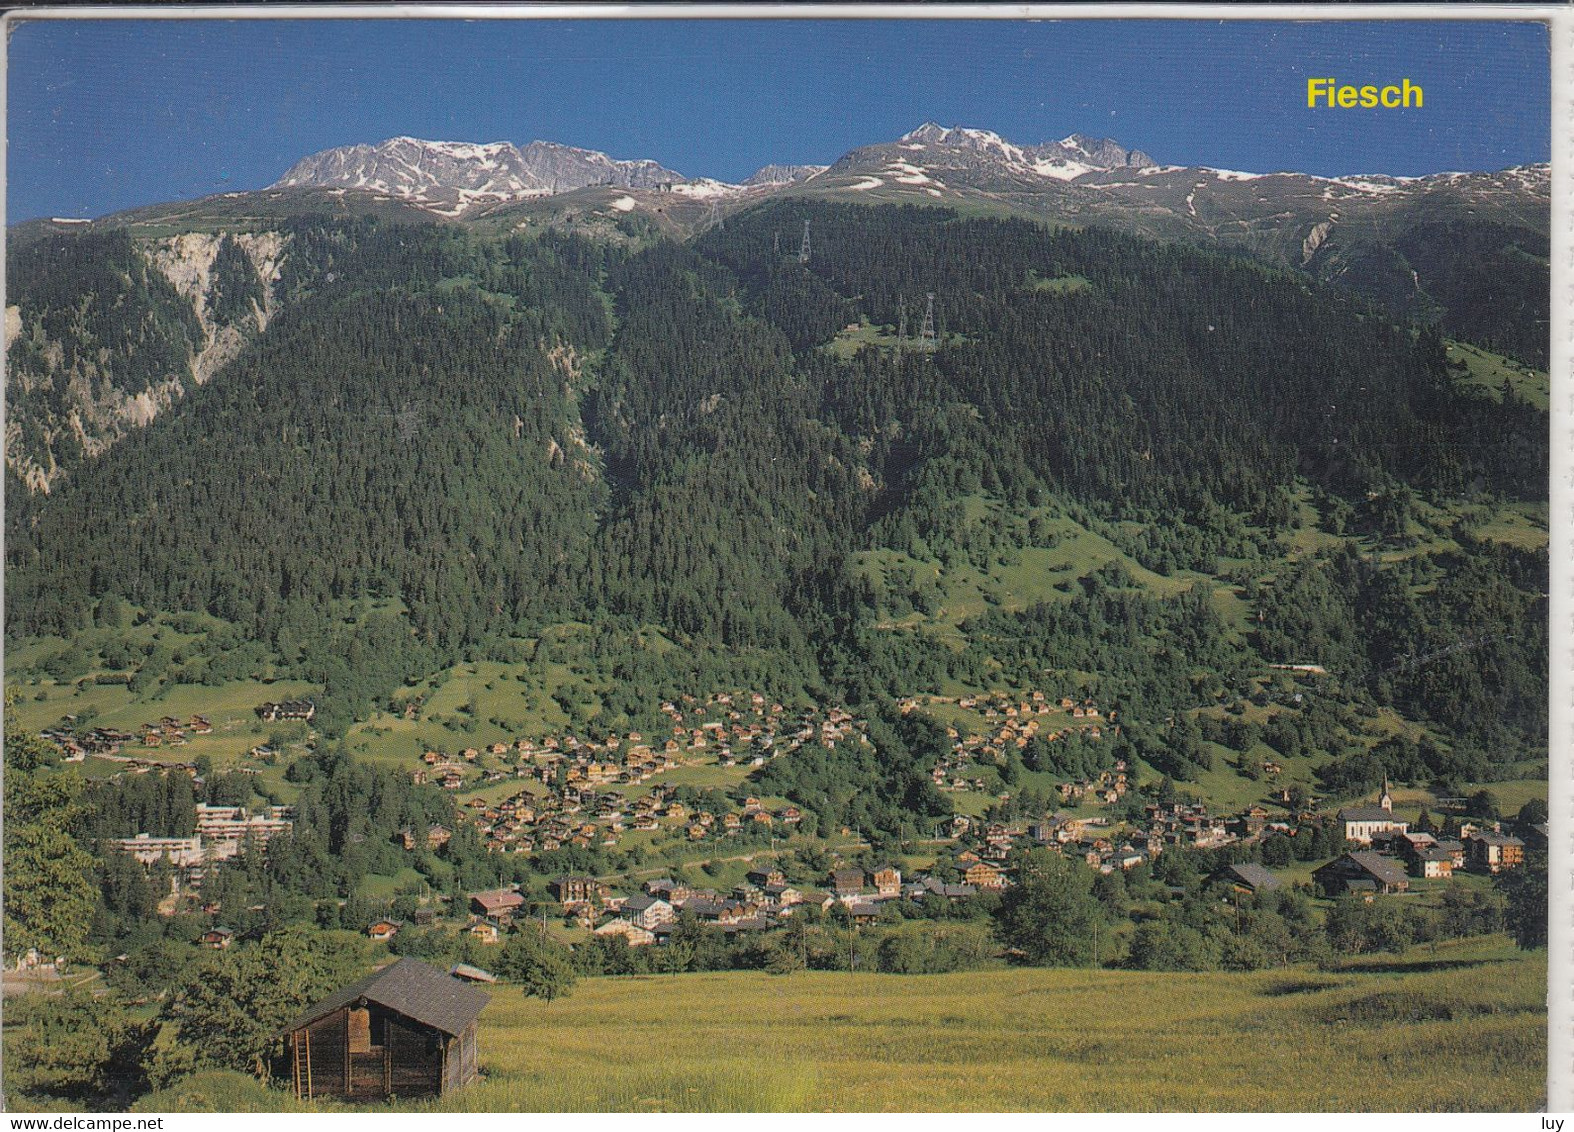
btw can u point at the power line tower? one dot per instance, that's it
(803, 249)
(927, 335)
(901, 319)
(776, 242)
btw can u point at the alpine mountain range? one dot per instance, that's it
(1402, 242)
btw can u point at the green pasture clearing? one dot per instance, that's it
(1027, 577)
(1488, 371)
(1009, 1040)
(1059, 285)
(378, 887)
(1518, 524)
(231, 708)
(1513, 793)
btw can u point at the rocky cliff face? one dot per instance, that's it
(170, 313)
(775, 174)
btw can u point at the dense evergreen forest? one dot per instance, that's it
(445, 440)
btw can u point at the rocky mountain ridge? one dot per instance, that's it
(455, 178)
(451, 178)
(181, 288)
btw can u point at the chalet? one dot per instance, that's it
(764, 877)
(648, 911)
(217, 938)
(1455, 851)
(485, 931)
(409, 1030)
(290, 709)
(384, 930)
(499, 904)
(1411, 845)
(1433, 863)
(929, 886)
(781, 895)
(573, 889)
(1249, 823)
(1360, 872)
(632, 933)
(674, 892)
(1494, 852)
(998, 837)
(1249, 878)
(981, 874)
(847, 882)
(1124, 859)
(886, 880)
(863, 912)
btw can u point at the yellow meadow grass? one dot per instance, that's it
(1461, 1029)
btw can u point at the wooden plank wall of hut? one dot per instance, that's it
(469, 1069)
(415, 1060)
(327, 1057)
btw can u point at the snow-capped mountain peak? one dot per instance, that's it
(452, 177)
(969, 155)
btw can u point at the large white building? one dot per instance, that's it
(1362, 823)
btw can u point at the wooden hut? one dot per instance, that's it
(409, 1030)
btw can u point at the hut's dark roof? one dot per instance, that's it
(414, 989)
(1259, 878)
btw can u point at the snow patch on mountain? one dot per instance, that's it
(452, 178)
(705, 187)
(986, 154)
(1061, 169)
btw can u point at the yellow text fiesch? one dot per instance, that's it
(1328, 93)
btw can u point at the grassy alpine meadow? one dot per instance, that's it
(1297, 1039)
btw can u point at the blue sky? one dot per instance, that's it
(105, 115)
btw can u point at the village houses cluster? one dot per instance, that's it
(108, 742)
(1013, 721)
(580, 793)
(584, 793)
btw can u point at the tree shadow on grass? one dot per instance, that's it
(1416, 967)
